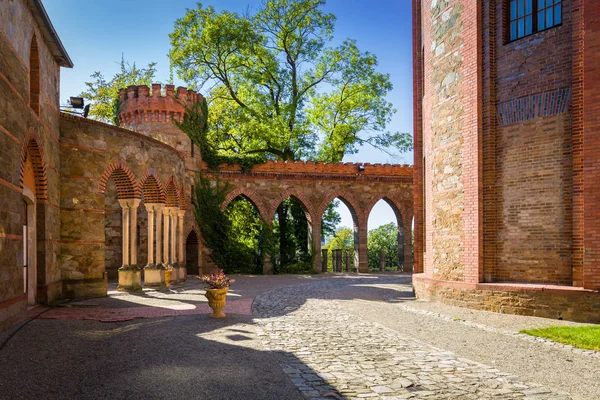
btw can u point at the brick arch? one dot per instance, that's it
(31, 150)
(348, 200)
(127, 187)
(396, 207)
(194, 229)
(152, 188)
(304, 202)
(172, 192)
(251, 196)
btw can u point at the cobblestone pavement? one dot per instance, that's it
(333, 354)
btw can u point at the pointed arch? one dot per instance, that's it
(348, 200)
(31, 151)
(127, 187)
(396, 207)
(251, 196)
(172, 192)
(152, 188)
(34, 75)
(302, 199)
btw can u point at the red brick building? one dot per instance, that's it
(507, 186)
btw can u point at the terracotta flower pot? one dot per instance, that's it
(216, 301)
(168, 277)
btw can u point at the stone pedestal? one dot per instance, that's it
(174, 274)
(130, 279)
(182, 273)
(154, 276)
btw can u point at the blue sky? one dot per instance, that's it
(96, 33)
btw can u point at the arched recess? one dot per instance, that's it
(33, 182)
(117, 183)
(34, 75)
(251, 196)
(192, 252)
(359, 226)
(292, 220)
(404, 232)
(172, 193)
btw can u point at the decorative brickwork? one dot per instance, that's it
(127, 186)
(533, 106)
(152, 188)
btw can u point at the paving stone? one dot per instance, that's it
(360, 360)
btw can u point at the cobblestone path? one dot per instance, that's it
(345, 358)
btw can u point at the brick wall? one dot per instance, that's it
(21, 131)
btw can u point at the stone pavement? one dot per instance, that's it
(354, 359)
(333, 336)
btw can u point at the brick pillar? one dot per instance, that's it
(360, 247)
(418, 135)
(315, 239)
(591, 144)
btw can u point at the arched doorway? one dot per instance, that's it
(29, 234)
(292, 230)
(192, 246)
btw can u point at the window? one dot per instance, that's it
(529, 16)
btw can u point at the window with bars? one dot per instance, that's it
(529, 16)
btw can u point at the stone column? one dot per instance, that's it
(173, 242)
(182, 266)
(133, 208)
(154, 274)
(150, 210)
(159, 236)
(166, 236)
(324, 259)
(125, 230)
(382, 260)
(130, 277)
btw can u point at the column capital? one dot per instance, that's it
(129, 203)
(151, 207)
(181, 213)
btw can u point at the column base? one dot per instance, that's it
(182, 273)
(130, 279)
(174, 273)
(154, 276)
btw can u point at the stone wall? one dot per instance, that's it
(88, 149)
(32, 135)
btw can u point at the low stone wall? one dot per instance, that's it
(547, 301)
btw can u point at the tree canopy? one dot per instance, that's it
(104, 95)
(278, 87)
(385, 237)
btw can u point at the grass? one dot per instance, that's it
(583, 337)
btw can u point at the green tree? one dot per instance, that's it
(330, 220)
(104, 95)
(342, 239)
(278, 88)
(384, 238)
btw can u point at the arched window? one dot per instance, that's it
(34, 76)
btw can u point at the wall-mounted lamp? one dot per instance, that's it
(76, 102)
(361, 168)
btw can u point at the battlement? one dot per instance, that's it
(139, 105)
(322, 168)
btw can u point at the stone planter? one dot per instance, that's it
(130, 279)
(216, 301)
(154, 276)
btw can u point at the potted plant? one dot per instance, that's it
(217, 286)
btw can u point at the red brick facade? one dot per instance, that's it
(522, 118)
